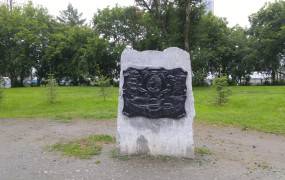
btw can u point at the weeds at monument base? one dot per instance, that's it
(83, 148)
(116, 155)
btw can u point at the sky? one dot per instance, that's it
(236, 11)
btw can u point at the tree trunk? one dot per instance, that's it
(273, 77)
(187, 25)
(10, 4)
(14, 80)
(21, 82)
(39, 80)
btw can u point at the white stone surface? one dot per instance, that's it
(160, 136)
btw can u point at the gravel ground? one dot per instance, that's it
(236, 154)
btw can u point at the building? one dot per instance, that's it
(209, 6)
(259, 78)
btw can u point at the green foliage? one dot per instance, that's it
(166, 22)
(222, 90)
(79, 52)
(71, 16)
(240, 65)
(212, 47)
(23, 36)
(202, 151)
(120, 25)
(146, 26)
(52, 89)
(84, 148)
(268, 35)
(30, 37)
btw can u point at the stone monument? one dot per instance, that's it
(156, 104)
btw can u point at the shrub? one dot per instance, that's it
(51, 85)
(222, 90)
(103, 82)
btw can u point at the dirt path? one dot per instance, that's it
(235, 154)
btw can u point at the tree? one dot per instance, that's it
(211, 47)
(71, 16)
(73, 53)
(121, 26)
(187, 25)
(268, 29)
(153, 24)
(102, 55)
(222, 90)
(159, 15)
(241, 64)
(31, 39)
(22, 35)
(10, 4)
(173, 20)
(64, 53)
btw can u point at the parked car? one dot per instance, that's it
(65, 82)
(29, 82)
(6, 82)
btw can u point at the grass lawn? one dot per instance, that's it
(255, 107)
(72, 102)
(261, 108)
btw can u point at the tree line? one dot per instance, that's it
(69, 48)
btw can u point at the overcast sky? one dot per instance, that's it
(236, 11)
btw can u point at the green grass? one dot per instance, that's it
(72, 103)
(83, 148)
(259, 108)
(202, 151)
(256, 107)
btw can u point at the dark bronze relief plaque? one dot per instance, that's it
(154, 93)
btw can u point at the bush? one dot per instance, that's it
(51, 85)
(223, 92)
